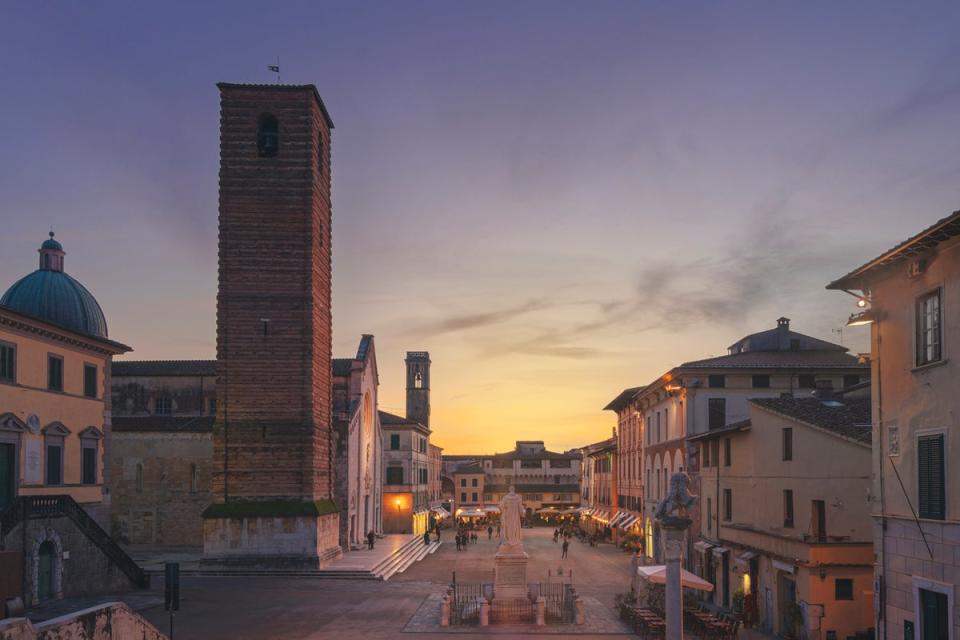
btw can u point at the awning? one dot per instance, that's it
(617, 519)
(719, 551)
(628, 522)
(602, 515)
(548, 510)
(470, 513)
(702, 546)
(440, 511)
(658, 575)
(492, 509)
(782, 566)
(745, 557)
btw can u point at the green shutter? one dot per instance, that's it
(930, 469)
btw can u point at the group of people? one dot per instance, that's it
(467, 534)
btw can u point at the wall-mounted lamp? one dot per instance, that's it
(862, 303)
(864, 317)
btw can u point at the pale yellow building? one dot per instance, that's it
(55, 360)
(910, 298)
(785, 518)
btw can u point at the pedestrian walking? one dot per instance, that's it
(458, 542)
(426, 538)
(370, 539)
(566, 545)
(489, 533)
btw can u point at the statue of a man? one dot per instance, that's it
(511, 510)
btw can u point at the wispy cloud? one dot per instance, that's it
(467, 321)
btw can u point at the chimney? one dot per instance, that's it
(783, 333)
(824, 390)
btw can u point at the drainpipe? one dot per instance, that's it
(883, 509)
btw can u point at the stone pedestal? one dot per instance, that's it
(303, 543)
(673, 528)
(510, 573)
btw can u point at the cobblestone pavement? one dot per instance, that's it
(293, 609)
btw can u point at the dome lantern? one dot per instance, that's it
(51, 254)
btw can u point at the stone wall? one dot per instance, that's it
(80, 568)
(165, 509)
(910, 567)
(110, 621)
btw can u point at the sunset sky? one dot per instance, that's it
(557, 200)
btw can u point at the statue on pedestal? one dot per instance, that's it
(511, 513)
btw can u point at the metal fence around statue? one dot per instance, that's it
(465, 607)
(559, 602)
(504, 611)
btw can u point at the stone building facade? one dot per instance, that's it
(273, 469)
(359, 448)
(406, 485)
(163, 450)
(784, 507)
(699, 396)
(911, 300)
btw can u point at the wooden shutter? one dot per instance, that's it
(930, 468)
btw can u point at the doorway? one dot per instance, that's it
(8, 474)
(47, 558)
(788, 605)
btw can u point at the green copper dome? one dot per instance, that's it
(50, 294)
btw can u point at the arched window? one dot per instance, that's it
(268, 136)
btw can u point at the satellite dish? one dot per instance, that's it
(33, 423)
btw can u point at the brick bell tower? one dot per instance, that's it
(418, 387)
(273, 484)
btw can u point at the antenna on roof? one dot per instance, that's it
(275, 68)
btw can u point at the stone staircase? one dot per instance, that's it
(411, 551)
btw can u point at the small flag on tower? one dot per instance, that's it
(274, 67)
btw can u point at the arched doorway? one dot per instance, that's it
(47, 558)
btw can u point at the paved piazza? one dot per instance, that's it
(238, 608)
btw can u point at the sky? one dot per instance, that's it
(557, 200)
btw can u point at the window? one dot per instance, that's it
(163, 406)
(715, 452)
(709, 514)
(54, 373)
(728, 504)
(850, 380)
(717, 412)
(194, 478)
(787, 443)
(473, 482)
(934, 615)
(212, 406)
(54, 460)
(463, 482)
(394, 475)
(139, 477)
(88, 460)
(268, 136)
(706, 454)
(788, 508)
(761, 381)
(717, 381)
(658, 426)
(473, 496)
(463, 496)
(818, 512)
(424, 476)
(90, 380)
(929, 339)
(530, 464)
(8, 362)
(649, 423)
(807, 381)
(843, 589)
(560, 464)
(394, 441)
(931, 472)
(726, 452)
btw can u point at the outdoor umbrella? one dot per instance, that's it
(658, 574)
